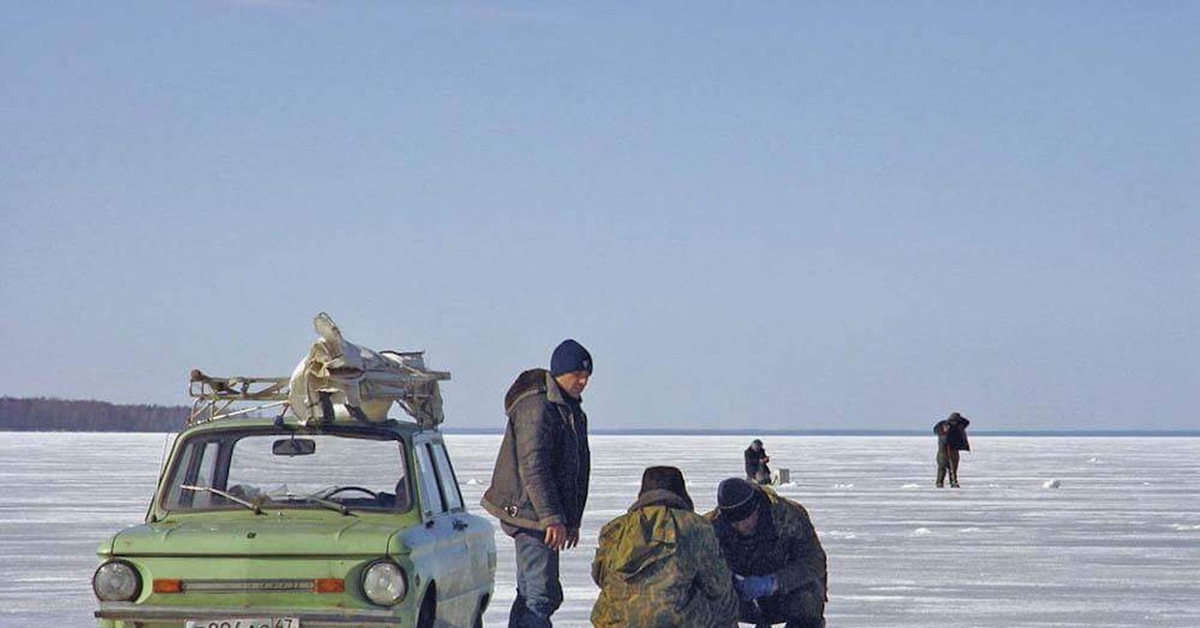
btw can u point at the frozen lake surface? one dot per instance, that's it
(1117, 543)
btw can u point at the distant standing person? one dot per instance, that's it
(756, 463)
(540, 481)
(659, 565)
(952, 438)
(779, 567)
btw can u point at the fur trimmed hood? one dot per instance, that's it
(533, 382)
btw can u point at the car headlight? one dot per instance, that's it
(383, 583)
(116, 581)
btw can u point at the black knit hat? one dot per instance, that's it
(570, 356)
(667, 479)
(737, 499)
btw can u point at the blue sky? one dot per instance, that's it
(756, 215)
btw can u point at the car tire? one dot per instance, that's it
(427, 617)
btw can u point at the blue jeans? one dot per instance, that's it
(539, 593)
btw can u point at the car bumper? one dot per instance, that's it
(315, 618)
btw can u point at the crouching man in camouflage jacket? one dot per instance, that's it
(777, 560)
(660, 566)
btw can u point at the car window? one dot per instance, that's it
(206, 469)
(198, 461)
(446, 477)
(354, 470)
(431, 494)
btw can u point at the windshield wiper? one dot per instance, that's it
(328, 503)
(233, 498)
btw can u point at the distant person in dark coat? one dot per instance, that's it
(540, 481)
(756, 463)
(779, 567)
(952, 438)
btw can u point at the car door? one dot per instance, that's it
(478, 531)
(438, 516)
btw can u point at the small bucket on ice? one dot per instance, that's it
(781, 476)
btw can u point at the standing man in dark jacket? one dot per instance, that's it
(540, 482)
(779, 568)
(952, 438)
(756, 463)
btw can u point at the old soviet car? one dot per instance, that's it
(327, 513)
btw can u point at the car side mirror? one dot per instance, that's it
(294, 447)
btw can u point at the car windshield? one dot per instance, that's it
(342, 471)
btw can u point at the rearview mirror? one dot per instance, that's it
(294, 447)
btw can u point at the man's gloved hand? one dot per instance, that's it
(754, 587)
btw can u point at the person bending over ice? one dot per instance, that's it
(756, 463)
(771, 546)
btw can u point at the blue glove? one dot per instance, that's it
(754, 587)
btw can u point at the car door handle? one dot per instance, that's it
(460, 524)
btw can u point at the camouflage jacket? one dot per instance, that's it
(660, 565)
(784, 544)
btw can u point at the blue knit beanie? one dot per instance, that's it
(570, 356)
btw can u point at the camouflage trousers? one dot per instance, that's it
(947, 462)
(802, 608)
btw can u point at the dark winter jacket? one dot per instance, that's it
(952, 433)
(660, 566)
(783, 544)
(756, 462)
(542, 471)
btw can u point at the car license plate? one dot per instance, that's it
(243, 622)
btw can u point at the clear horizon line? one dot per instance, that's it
(655, 431)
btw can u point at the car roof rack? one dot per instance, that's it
(224, 397)
(337, 379)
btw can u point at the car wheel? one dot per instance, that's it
(428, 614)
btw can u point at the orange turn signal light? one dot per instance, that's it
(329, 585)
(168, 586)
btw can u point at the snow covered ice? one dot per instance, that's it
(1116, 544)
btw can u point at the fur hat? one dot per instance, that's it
(667, 479)
(570, 356)
(664, 478)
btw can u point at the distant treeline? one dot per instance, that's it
(61, 415)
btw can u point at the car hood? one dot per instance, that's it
(267, 535)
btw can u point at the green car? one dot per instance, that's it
(321, 516)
